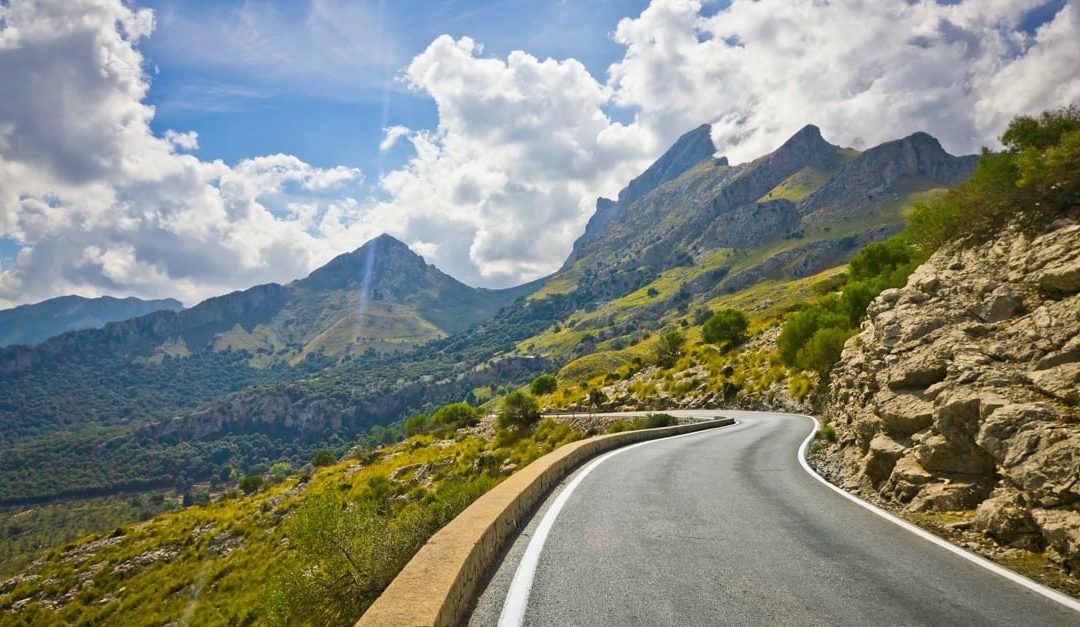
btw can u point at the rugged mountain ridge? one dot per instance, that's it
(35, 323)
(807, 206)
(961, 392)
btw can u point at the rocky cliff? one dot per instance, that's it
(960, 393)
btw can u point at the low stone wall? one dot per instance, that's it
(439, 585)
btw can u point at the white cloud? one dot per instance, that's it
(105, 206)
(391, 137)
(865, 72)
(188, 141)
(498, 191)
(507, 180)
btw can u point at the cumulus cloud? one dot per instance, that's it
(865, 72)
(498, 191)
(105, 206)
(521, 150)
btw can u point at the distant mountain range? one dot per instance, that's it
(380, 297)
(377, 333)
(32, 324)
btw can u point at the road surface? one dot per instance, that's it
(725, 526)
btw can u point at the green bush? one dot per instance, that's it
(828, 432)
(520, 410)
(455, 416)
(653, 421)
(669, 348)
(727, 325)
(1033, 181)
(822, 350)
(544, 384)
(251, 483)
(323, 457)
(802, 326)
(416, 424)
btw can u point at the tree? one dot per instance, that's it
(802, 326)
(415, 425)
(280, 470)
(322, 457)
(669, 348)
(455, 415)
(727, 325)
(544, 384)
(251, 483)
(520, 410)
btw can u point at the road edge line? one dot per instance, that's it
(974, 558)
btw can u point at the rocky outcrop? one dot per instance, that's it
(961, 392)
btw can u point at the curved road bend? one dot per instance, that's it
(725, 527)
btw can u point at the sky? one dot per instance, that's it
(187, 148)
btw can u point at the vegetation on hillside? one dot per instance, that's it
(314, 547)
(1033, 181)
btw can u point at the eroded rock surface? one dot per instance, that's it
(961, 393)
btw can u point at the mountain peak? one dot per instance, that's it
(807, 136)
(383, 240)
(690, 149)
(382, 254)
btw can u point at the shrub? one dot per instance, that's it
(322, 457)
(251, 484)
(416, 424)
(727, 325)
(1035, 180)
(280, 470)
(519, 409)
(822, 350)
(653, 421)
(455, 415)
(828, 432)
(544, 384)
(802, 326)
(669, 348)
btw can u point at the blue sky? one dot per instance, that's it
(242, 108)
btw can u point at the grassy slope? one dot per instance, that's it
(211, 564)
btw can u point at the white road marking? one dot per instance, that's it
(1037, 588)
(517, 598)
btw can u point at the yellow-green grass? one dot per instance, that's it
(195, 581)
(798, 185)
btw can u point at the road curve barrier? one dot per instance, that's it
(440, 583)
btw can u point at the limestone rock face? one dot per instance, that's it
(961, 392)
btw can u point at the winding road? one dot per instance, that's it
(726, 526)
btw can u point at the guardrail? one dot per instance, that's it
(440, 584)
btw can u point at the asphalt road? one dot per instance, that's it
(726, 527)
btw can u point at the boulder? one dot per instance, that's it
(1000, 304)
(1061, 382)
(1004, 519)
(1061, 530)
(1004, 422)
(903, 413)
(882, 456)
(940, 455)
(952, 496)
